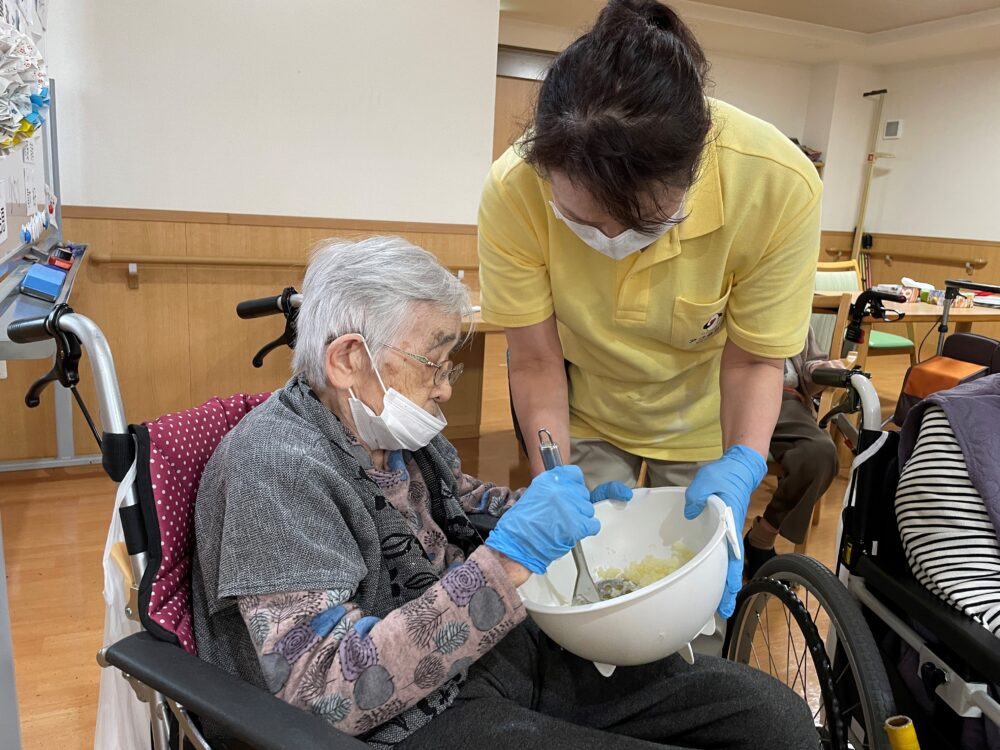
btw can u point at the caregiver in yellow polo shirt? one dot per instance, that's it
(650, 253)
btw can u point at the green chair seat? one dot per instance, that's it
(883, 340)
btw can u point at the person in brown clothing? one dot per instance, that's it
(807, 455)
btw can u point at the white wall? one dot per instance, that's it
(774, 91)
(819, 108)
(945, 179)
(850, 127)
(331, 108)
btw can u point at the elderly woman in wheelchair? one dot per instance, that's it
(337, 565)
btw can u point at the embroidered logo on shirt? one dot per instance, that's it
(711, 327)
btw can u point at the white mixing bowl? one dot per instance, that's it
(652, 622)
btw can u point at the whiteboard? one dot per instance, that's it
(29, 174)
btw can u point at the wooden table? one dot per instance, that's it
(960, 319)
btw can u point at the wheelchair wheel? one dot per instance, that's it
(762, 634)
(844, 680)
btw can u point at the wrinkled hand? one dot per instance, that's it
(733, 477)
(610, 491)
(552, 515)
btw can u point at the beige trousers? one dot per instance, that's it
(602, 462)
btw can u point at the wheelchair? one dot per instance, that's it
(157, 466)
(868, 641)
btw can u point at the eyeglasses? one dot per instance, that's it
(443, 371)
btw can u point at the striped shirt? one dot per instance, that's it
(950, 542)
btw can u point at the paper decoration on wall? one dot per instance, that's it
(24, 91)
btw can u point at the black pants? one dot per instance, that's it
(528, 694)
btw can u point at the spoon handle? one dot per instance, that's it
(584, 588)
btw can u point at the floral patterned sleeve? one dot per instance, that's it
(318, 651)
(478, 496)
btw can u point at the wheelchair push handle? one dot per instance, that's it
(29, 330)
(869, 304)
(287, 303)
(832, 377)
(261, 307)
(887, 296)
(973, 286)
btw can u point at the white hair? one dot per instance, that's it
(367, 287)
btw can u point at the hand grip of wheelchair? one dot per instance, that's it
(260, 307)
(974, 286)
(28, 330)
(887, 296)
(832, 377)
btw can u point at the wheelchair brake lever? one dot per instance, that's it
(258, 358)
(287, 337)
(34, 395)
(848, 405)
(65, 370)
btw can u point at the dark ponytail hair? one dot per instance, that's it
(623, 112)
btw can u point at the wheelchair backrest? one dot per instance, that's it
(965, 357)
(971, 347)
(171, 455)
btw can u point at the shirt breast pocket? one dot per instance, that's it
(695, 324)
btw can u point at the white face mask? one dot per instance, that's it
(622, 245)
(402, 425)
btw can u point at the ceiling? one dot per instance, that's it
(810, 31)
(865, 16)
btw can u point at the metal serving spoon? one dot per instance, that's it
(586, 591)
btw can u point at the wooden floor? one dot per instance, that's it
(54, 526)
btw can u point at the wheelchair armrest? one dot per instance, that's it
(252, 715)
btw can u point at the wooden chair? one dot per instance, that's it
(834, 348)
(845, 276)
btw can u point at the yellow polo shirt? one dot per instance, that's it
(644, 335)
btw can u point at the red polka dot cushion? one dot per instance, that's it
(172, 453)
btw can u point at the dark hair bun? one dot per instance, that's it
(636, 19)
(650, 11)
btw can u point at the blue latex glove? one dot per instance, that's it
(552, 515)
(733, 477)
(610, 491)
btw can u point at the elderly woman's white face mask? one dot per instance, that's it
(402, 425)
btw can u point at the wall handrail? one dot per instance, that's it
(201, 260)
(134, 261)
(969, 264)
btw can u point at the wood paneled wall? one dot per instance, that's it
(940, 259)
(176, 339)
(515, 100)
